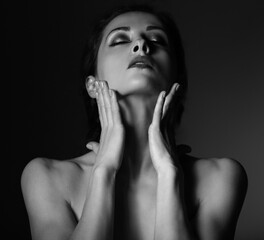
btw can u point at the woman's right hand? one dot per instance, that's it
(109, 152)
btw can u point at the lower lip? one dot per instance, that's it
(141, 66)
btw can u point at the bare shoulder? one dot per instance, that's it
(220, 170)
(40, 171)
(219, 165)
(54, 174)
(41, 175)
(35, 171)
(221, 190)
(48, 186)
(220, 178)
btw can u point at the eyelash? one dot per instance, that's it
(119, 42)
(156, 40)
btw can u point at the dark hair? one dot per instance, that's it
(89, 65)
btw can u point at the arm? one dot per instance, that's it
(97, 218)
(171, 220)
(98, 214)
(51, 217)
(49, 214)
(222, 195)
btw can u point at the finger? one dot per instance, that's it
(115, 107)
(101, 108)
(90, 86)
(169, 98)
(94, 146)
(107, 101)
(157, 115)
(101, 114)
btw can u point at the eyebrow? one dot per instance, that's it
(126, 29)
(155, 28)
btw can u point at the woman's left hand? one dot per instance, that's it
(159, 152)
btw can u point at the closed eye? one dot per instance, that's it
(121, 39)
(118, 42)
(158, 40)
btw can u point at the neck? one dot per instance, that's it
(137, 113)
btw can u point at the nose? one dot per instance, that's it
(141, 47)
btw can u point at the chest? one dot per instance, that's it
(135, 214)
(135, 210)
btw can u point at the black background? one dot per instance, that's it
(44, 114)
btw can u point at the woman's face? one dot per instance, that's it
(134, 55)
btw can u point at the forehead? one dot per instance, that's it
(133, 20)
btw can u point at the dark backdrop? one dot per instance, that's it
(44, 114)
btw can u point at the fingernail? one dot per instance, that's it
(89, 146)
(89, 79)
(177, 85)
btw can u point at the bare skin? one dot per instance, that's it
(59, 188)
(129, 186)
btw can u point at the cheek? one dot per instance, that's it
(110, 69)
(167, 63)
(166, 69)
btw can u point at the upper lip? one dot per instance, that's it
(141, 59)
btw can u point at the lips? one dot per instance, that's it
(141, 62)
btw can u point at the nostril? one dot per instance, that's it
(141, 46)
(145, 48)
(136, 48)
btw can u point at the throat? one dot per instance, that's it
(137, 164)
(137, 116)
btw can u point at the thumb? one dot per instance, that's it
(93, 146)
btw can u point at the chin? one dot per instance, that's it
(148, 82)
(139, 87)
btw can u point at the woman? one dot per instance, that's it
(135, 183)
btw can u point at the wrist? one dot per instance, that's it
(169, 176)
(104, 173)
(169, 172)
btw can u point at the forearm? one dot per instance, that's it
(171, 219)
(97, 218)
